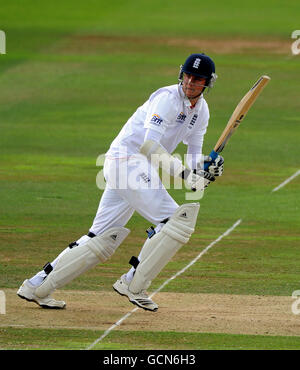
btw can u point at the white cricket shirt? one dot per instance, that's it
(167, 112)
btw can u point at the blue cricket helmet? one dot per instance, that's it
(200, 65)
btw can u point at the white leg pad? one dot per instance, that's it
(82, 258)
(160, 249)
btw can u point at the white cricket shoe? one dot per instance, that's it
(140, 299)
(26, 291)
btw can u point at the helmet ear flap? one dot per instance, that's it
(212, 80)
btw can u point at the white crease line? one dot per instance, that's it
(286, 181)
(227, 232)
(118, 323)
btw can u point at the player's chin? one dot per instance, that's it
(190, 93)
(193, 95)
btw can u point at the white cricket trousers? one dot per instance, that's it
(132, 184)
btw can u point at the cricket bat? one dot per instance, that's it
(237, 116)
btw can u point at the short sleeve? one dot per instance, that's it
(161, 110)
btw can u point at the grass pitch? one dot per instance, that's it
(74, 73)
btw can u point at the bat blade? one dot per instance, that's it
(238, 115)
(240, 112)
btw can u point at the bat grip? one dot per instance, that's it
(213, 155)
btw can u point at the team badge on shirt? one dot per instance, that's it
(193, 120)
(156, 119)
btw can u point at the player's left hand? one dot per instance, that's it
(217, 166)
(199, 179)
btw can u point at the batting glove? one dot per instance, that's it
(198, 179)
(217, 166)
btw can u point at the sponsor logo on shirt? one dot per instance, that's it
(193, 120)
(181, 117)
(156, 120)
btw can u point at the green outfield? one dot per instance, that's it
(72, 75)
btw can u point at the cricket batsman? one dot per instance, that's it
(172, 114)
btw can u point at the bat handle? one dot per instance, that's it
(213, 155)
